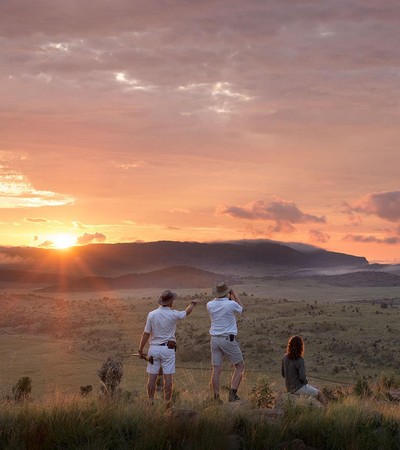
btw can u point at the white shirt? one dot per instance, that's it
(161, 324)
(222, 313)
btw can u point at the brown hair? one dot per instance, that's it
(295, 347)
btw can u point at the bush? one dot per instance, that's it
(110, 375)
(388, 381)
(22, 390)
(336, 393)
(86, 390)
(362, 389)
(262, 394)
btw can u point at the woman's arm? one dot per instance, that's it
(302, 372)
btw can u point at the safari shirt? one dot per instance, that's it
(222, 313)
(161, 324)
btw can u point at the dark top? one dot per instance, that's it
(294, 372)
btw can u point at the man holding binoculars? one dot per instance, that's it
(223, 333)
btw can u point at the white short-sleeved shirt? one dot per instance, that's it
(161, 324)
(222, 313)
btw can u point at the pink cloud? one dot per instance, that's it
(47, 244)
(283, 213)
(279, 210)
(319, 236)
(385, 205)
(34, 220)
(390, 240)
(88, 238)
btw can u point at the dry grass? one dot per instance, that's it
(61, 342)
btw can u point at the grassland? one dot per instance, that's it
(61, 342)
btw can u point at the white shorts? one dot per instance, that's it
(221, 346)
(307, 389)
(163, 357)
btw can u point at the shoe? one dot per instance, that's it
(233, 397)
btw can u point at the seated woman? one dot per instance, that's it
(294, 371)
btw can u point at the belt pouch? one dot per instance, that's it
(171, 345)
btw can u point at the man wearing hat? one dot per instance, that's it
(223, 332)
(160, 329)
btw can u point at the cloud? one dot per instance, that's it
(38, 220)
(88, 238)
(47, 244)
(79, 225)
(385, 205)
(279, 210)
(319, 236)
(390, 240)
(128, 166)
(17, 192)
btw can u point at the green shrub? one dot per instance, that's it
(388, 381)
(362, 389)
(262, 394)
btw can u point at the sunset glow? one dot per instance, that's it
(62, 241)
(143, 121)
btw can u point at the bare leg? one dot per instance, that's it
(167, 388)
(151, 385)
(215, 379)
(237, 375)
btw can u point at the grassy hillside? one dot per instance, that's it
(351, 334)
(91, 423)
(61, 341)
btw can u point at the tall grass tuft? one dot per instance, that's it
(75, 422)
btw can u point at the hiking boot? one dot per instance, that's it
(233, 397)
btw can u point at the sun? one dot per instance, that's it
(63, 240)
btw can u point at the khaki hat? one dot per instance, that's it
(221, 289)
(167, 297)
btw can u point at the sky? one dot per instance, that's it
(198, 120)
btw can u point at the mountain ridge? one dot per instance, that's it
(122, 258)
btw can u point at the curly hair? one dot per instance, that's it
(295, 347)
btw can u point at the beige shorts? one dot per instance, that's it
(221, 346)
(307, 389)
(163, 357)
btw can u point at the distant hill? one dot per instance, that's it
(171, 277)
(361, 279)
(112, 260)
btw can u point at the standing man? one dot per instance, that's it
(160, 329)
(223, 332)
